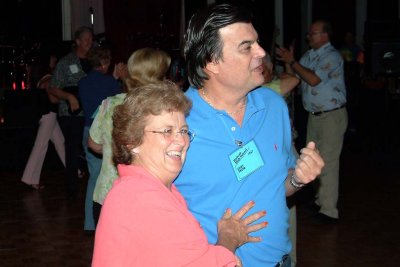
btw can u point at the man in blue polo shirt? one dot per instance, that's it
(242, 149)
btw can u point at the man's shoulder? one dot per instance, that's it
(66, 61)
(264, 90)
(265, 94)
(330, 50)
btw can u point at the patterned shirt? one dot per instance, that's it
(330, 93)
(100, 132)
(68, 72)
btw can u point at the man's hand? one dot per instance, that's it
(285, 55)
(309, 164)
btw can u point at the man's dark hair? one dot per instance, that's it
(203, 43)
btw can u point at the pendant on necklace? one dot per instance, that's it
(239, 143)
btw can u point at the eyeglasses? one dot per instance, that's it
(169, 134)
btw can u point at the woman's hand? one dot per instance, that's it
(120, 71)
(233, 230)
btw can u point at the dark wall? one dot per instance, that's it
(263, 18)
(383, 10)
(341, 14)
(292, 23)
(22, 20)
(135, 24)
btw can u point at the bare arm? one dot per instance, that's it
(61, 94)
(288, 83)
(306, 74)
(287, 56)
(98, 148)
(44, 84)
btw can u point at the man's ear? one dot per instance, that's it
(212, 67)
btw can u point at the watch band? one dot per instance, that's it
(294, 183)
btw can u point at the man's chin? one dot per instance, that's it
(259, 81)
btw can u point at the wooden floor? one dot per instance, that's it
(43, 228)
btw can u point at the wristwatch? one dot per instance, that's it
(294, 182)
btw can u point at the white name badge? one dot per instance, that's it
(246, 160)
(74, 68)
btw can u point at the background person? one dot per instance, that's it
(64, 85)
(145, 66)
(144, 219)
(48, 130)
(324, 97)
(93, 89)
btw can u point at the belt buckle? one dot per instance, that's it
(317, 113)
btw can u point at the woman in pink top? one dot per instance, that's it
(144, 220)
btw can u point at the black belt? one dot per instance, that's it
(317, 113)
(284, 262)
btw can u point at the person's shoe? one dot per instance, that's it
(321, 218)
(33, 186)
(37, 186)
(81, 173)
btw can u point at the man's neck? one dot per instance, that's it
(81, 53)
(233, 104)
(222, 99)
(316, 48)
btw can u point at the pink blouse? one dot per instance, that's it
(142, 223)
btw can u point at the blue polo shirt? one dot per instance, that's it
(208, 181)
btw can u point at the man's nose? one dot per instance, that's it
(260, 52)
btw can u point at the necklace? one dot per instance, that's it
(203, 92)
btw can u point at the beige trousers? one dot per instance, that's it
(327, 131)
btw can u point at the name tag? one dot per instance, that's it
(74, 68)
(246, 160)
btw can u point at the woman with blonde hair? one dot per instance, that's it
(145, 66)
